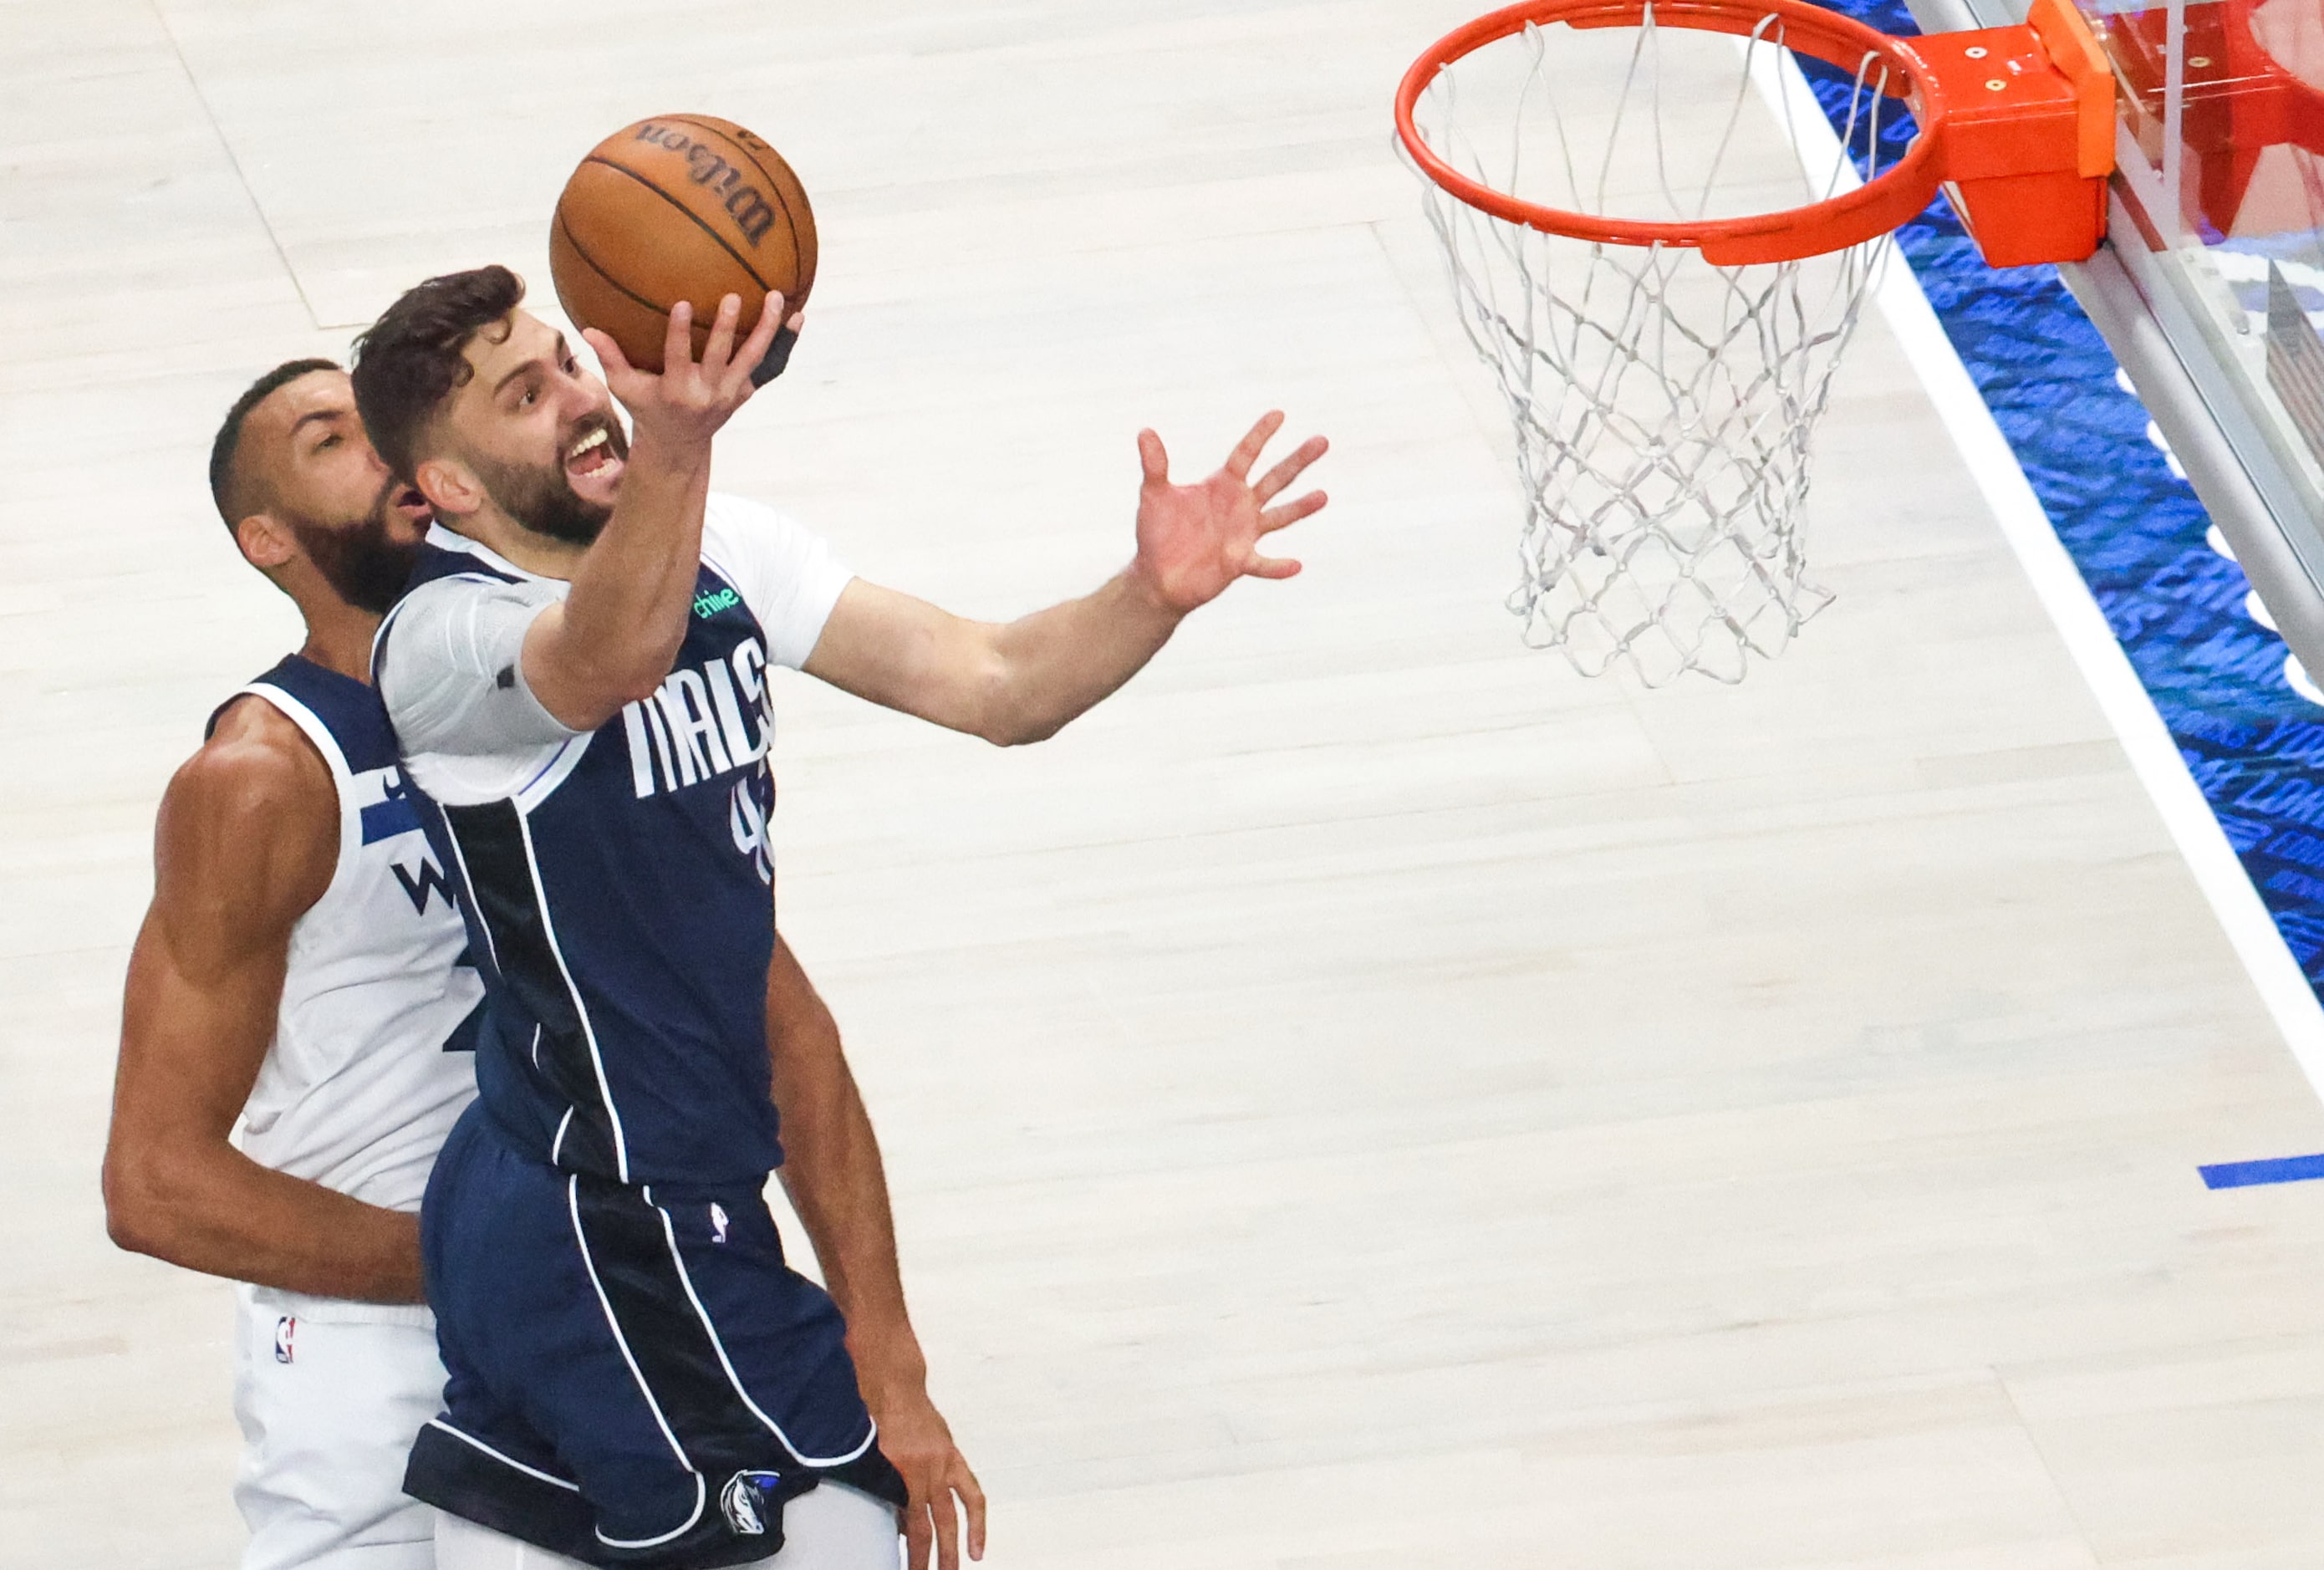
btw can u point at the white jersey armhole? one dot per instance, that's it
(336, 760)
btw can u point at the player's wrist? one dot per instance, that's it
(1148, 592)
(678, 444)
(888, 1360)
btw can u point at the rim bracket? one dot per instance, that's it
(2027, 119)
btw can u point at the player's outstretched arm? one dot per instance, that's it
(1025, 680)
(833, 1173)
(613, 639)
(248, 837)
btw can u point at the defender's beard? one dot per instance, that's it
(361, 561)
(542, 499)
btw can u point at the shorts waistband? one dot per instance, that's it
(683, 1189)
(335, 1310)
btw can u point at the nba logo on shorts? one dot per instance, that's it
(284, 1329)
(744, 1492)
(717, 1222)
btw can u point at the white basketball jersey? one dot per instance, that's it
(367, 1069)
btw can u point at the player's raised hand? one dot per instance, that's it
(691, 398)
(1193, 541)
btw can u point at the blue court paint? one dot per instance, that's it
(2251, 1174)
(2138, 536)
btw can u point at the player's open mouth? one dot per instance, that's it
(593, 456)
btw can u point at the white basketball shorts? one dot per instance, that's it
(329, 1395)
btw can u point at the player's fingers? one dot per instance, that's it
(741, 378)
(1247, 450)
(678, 341)
(1290, 512)
(916, 1534)
(1150, 454)
(1278, 478)
(608, 355)
(720, 350)
(1270, 567)
(971, 1494)
(947, 1527)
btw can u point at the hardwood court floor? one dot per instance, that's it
(1366, 1097)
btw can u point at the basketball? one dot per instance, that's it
(680, 207)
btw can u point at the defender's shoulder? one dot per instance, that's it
(258, 773)
(247, 838)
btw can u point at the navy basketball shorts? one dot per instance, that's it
(633, 1374)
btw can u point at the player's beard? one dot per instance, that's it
(542, 499)
(364, 564)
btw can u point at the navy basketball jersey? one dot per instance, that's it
(619, 883)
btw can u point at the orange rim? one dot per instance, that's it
(1889, 199)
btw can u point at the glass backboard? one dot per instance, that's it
(2210, 288)
(2222, 105)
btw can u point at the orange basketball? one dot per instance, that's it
(680, 207)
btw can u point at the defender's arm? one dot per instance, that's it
(246, 843)
(1024, 681)
(833, 1173)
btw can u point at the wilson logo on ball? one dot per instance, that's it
(744, 203)
(679, 207)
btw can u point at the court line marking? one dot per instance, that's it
(2058, 584)
(2252, 1174)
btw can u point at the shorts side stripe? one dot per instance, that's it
(701, 1496)
(685, 1280)
(473, 1442)
(614, 1323)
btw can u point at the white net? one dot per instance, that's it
(1663, 406)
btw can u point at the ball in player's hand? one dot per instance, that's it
(680, 207)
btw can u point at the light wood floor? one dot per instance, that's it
(1366, 1097)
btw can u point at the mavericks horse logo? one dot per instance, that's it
(743, 1500)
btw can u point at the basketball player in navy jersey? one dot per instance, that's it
(579, 678)
(298, 973)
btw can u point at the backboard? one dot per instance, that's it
(2211, 285)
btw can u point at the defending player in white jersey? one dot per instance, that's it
(284, 1081)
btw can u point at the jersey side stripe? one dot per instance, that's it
(580, 1009)
(496, 852)
(491, 944)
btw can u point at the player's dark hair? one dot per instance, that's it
(226, 487)
(410, 361)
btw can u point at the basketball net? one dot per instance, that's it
(1663, 406)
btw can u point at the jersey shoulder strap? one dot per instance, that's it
(341, 716)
